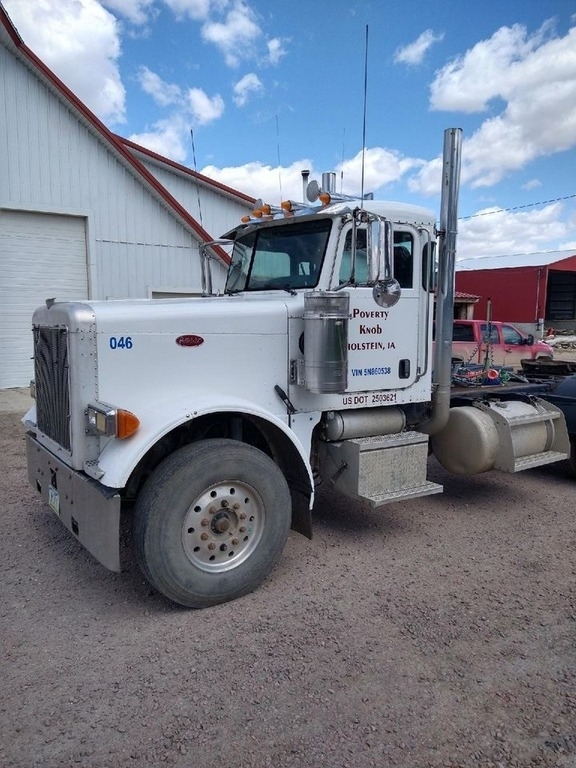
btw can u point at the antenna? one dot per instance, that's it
(196, 171)
(364, 115)
(343, 155)
(278, 153)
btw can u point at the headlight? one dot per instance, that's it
(110, 422)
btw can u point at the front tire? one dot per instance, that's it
(211, 522)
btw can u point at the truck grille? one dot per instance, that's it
(52, 384)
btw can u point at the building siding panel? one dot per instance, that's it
(55, 162)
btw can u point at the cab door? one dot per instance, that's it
(514, 346)
(386, 347)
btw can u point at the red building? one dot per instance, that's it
(534, 291)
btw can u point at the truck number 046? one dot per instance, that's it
(120, 342)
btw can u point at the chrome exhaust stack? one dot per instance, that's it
(446, 278)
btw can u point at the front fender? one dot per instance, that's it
(119, 457)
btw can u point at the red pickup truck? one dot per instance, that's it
(507, 345)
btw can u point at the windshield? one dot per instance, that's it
(287, 257)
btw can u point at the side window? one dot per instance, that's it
(494, 338)
(404, 259)
(429, 268)
(511, 335)
(462, 332)
(403, 265)
(361, 275)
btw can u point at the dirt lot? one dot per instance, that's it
(439, 632)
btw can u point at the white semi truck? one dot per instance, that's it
(212, 419)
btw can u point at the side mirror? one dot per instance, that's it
(380, 242)
(380, 247)
(529, 340)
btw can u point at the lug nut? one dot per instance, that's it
(235, 542)
(212, 510)
(235, 505)
(242, 515)
(211, 545)
(242, 529)
(204, 521)
(204, 536)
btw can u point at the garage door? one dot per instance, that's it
(41, 256)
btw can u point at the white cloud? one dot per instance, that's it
(246, 87)
(532, 184)
(205, 109)
(414, 52)
(193, 107)
(535, 77)
(488, 70)
(136, 11)
(496, 232)
(78, 40)
(276, 50)
(234, 36)
(272, 184)
(163, 93)
(381, 167)
(198, 10)
(167, 137)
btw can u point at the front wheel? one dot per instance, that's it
(211, 522)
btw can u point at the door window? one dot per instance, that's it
(403, 263)
(511, 335)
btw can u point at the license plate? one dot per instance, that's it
(54, 499)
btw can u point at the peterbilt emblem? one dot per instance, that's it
(189, 340)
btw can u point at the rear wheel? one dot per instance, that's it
(211, 522)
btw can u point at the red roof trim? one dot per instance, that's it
(9, 27)
(183, 169)
(110, 137)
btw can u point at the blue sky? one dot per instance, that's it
(270, 88)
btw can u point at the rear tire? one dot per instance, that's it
(211, 522)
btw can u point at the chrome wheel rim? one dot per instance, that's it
(223, 526)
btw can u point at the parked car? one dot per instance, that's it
(507, 345)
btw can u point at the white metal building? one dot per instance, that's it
(84, 213)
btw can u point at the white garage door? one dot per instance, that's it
(41, 256)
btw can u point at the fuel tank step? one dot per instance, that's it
(380, 469)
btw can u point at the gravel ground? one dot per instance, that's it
(436, 632)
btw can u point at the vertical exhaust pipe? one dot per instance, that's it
(305, 177)
(446, 278)
(329, 182)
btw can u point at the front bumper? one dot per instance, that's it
(90, 511)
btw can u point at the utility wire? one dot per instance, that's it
(517, 207)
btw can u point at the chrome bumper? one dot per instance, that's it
(90, 511)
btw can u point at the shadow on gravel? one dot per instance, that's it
(107, 592)
(334, 512)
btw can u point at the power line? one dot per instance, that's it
(517, 207)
